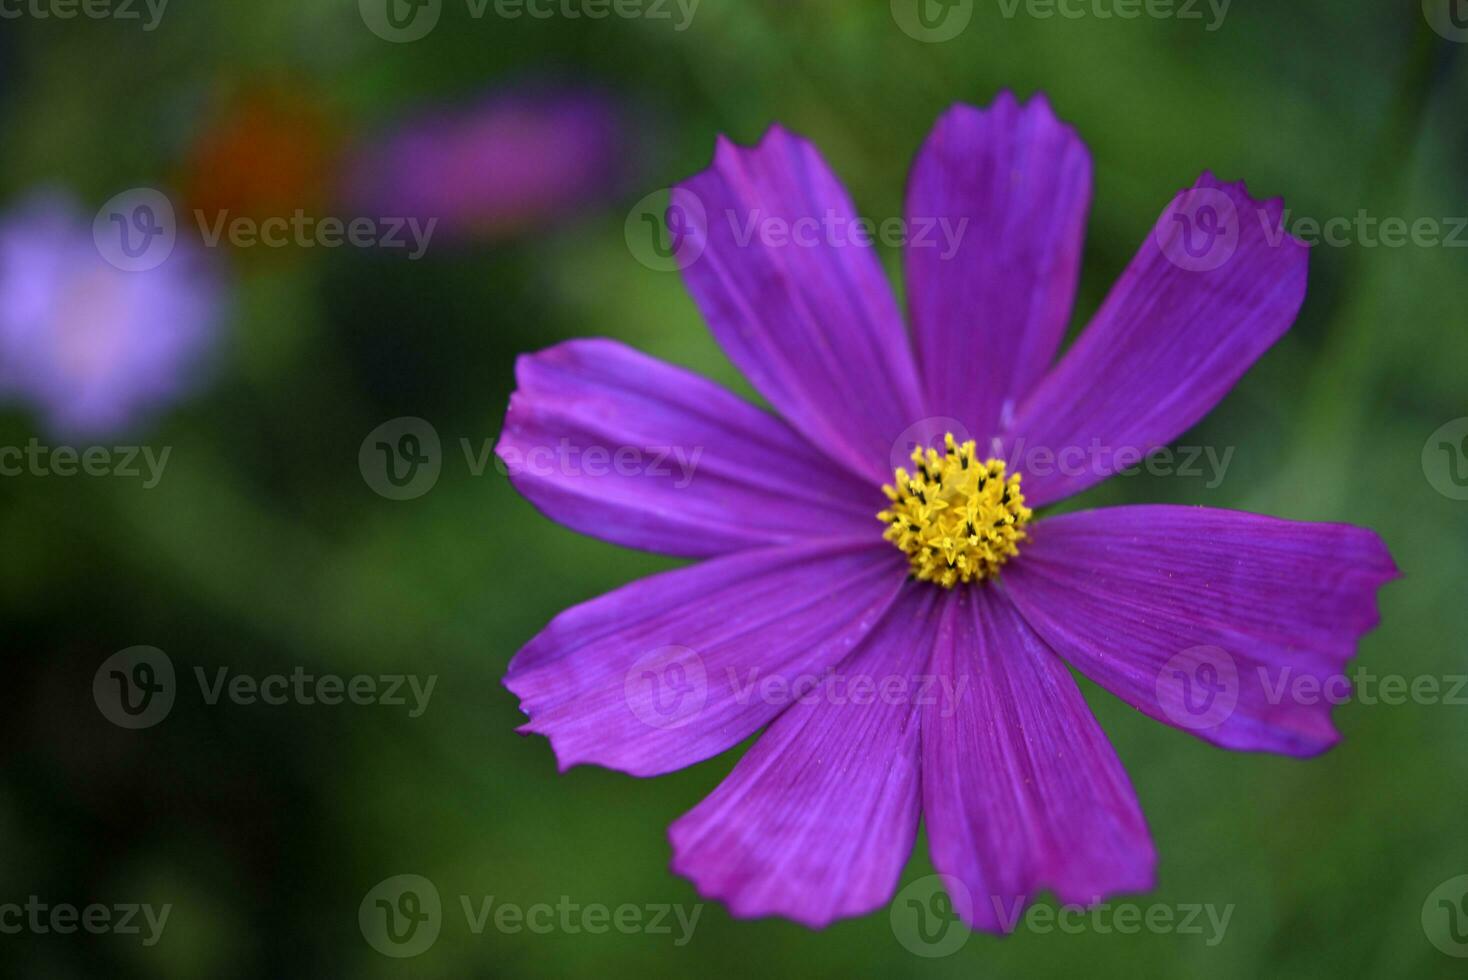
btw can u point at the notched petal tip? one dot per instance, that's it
(574, 351)
(1005, 105)
(724, 147)
(531, 727)
(729, 153)
(1271, 610)
(1267, 213)
(1382, 561)
(1317, 745)
(1000, 915)
(737, 898)
(524, 365)
(776, 132)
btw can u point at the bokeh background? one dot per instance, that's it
(264, 548)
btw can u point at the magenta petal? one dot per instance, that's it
(1232, 626)
(514, 160)
(816, 822)
(1213, 287)
(1013, 184)
(626, 448)
(1021, 789)
(673, 669)
(798, 299)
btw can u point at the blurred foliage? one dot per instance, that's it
(263, 549)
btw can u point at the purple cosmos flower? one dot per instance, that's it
(92, 347)
(512, 161)
(959, 589)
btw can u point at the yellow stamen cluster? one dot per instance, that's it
(957, 519)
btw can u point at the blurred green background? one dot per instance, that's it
(263, 549)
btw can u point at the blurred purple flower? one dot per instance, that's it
(512, 161)
(93, 348)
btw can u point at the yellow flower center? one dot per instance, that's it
(956, 519)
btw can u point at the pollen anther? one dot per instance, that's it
(956, 518)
